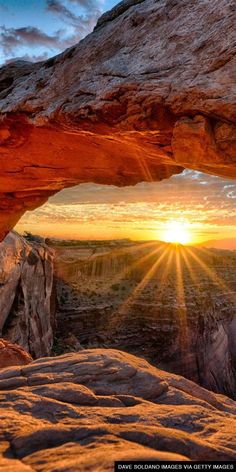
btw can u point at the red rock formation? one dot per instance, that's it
(27, 316)
(83, 411)
(149, 92)
(12, 354)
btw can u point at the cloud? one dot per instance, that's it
(79, 17)
(183, 188)
(12, 38)
(82, 22)
(56, 7)
(86, 3)
(29, 58)
(147, 207)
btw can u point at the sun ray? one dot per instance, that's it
(213, 276)
(134, 265)
(190, 270)
(165, 273)
(120, 252)
(181, 298)
(147, 277)
(123, 308)
(143, 166)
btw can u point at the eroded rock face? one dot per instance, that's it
(26, 294)
(118, 295)
(12, 354)
(86, 410)
(149, 92)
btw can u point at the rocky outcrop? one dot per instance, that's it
(149, 92)
(27, 315)
(12, 354)
(84, 411)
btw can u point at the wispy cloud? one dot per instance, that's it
(33, 43)
(83, 23)
(12, 38)
(29, 58)
(84, 3)
(58, 8)
(143, 210)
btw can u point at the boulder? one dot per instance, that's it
(12, 354)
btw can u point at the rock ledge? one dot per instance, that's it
(85, 410)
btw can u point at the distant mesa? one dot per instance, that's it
(226, 243)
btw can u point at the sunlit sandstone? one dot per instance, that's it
(12, 355)
(149, 92)
(83, 411)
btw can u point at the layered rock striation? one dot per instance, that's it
(27, 311)
(84, 411)
(149, 92)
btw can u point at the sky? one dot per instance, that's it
(204, 205)
(38, 29)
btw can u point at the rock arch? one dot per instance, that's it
(149, 92)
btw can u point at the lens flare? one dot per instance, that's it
(176, 232)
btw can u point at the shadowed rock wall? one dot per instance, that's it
(27, 315)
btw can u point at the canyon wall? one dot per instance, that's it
(103, 301)
(149, 92)
(27, 311)
(96, 307)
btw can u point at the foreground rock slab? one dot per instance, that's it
(27, 315)
(84, 410)
(149, 92)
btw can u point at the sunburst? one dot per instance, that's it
(176, 232)
(171, 259)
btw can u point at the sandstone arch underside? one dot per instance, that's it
(151, 91)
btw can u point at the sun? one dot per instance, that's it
(176, 232)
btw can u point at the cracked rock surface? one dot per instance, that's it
(149, 92)
(84, 410)
(27, 315)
